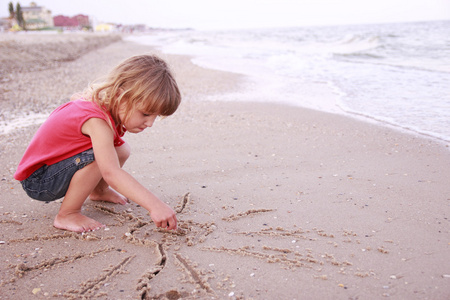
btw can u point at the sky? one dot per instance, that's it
(234, 14)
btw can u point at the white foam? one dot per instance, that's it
(374, 71)
(17, 122)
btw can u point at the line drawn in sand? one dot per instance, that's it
(133, 245)
(296, 256)
(140, 237)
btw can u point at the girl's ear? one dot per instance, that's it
(120, 95)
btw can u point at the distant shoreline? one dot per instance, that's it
(38, 51)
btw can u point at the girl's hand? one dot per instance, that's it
(108, 162)
(163, 216)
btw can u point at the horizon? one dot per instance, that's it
(205, 15)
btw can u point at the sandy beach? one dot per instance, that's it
(273, 202)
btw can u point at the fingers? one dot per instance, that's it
(172, 224)
(169, 224)
(164, 217)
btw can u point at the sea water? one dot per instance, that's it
(397, 74)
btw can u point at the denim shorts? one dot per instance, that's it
(50, 182)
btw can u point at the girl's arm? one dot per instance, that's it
(106, 158)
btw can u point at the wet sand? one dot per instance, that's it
(273, 202)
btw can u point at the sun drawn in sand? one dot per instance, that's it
(135, 259)
(141, 249)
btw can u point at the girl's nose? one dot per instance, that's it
(150, 121)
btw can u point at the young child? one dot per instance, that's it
(78, 152)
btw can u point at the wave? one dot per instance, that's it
(354, 43)
(367, 58)
(360, 55)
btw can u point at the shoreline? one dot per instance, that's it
(267, 195)
(26, 120)
(269, 68)
(99, 40)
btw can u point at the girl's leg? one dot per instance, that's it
(102, 191)
(69, 216)
(86, 182)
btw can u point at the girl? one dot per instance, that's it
(78, 152)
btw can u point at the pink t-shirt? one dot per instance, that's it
(60, 137)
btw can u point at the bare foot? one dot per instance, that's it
(76, 222)
(108, 195)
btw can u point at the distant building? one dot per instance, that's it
(37, 17)
(75, 22)
(5, 24)
(105, 27)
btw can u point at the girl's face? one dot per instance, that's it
(138, 120)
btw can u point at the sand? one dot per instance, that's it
(273, 202)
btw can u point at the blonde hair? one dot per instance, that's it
(143, 82)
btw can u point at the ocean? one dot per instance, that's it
(394, 74)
